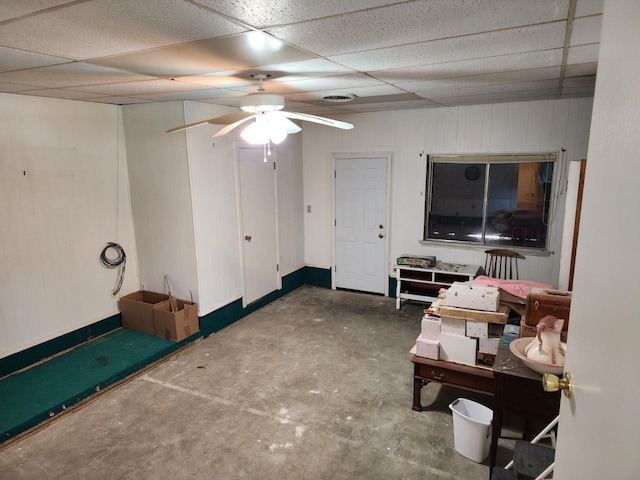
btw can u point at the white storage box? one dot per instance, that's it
(430, 327)
(453, 326)
(428, 348)
(471, 429)
(489, 345)
(473, 297)
(454, 348)
(477, 329)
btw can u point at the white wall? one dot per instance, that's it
(538, 126)
(64, 194)
(184, 199)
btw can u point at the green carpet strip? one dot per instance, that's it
(29, 397)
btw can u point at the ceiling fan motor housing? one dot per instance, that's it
(262, 102)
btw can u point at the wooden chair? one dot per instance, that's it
(502, 264)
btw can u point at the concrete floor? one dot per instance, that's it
(316, 385)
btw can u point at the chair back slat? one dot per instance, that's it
(502, 264)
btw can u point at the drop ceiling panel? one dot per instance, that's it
(68, 75)
(506, 63)
(127, 51)
(282, 12)
(110, 27)
(423, 88)
(586, 30)
(211, 55)
(414, 22)
(507, 42)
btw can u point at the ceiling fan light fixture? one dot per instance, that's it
(264, 130)
(262, 102)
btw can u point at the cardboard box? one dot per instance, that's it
(453, 326)
(474, 297)
(136, 310)
(176, 326)
(454, 348)
(430, 327)
(428, 348)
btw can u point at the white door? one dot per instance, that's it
(599, 431)
(259, 223)
(361, 223)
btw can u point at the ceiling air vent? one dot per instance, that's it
(338, 97)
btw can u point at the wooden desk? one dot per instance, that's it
(518, 391)
(474, 379)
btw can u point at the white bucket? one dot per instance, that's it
(471, 429)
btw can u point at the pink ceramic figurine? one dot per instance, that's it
(546, 346)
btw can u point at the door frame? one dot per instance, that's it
(388, 156)
(237, 145)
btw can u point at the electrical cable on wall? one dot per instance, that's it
(120, 262)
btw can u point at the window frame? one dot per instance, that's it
(488, 159)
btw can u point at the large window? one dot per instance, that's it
(489, 199)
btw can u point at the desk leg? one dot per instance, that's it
(418, 383)
(496, 430)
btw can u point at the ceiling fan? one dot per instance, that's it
(271, 125)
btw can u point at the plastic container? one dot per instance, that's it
(471, 429)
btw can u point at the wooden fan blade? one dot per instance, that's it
(227, 119)
(322, 120)
(230, 127)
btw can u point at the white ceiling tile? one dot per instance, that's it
(376, 107)
(61, 93)
(336, 82)
(420, 87)
(15, 9)
(381, 51)
(362, 92)
(110, 27)
(496, 98)
(282, 12)
(581, 69)
(14, 87)
(68, 75)
(118, 100)
(144, 87)
(12, 59)
(232, 52)
(586, 30)
(521, 40)
(583, 54)
(414, 22)
(505, 63)
(589, 7)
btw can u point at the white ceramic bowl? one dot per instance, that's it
(517, 348)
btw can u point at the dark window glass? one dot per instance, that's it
(489, 203)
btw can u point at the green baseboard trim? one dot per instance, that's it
(320, 277)
(393, 285)
(24, 358)
(225, 316)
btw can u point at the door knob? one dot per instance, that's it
(381, 236)
(247, 238)
(551, 383)
(381, 226)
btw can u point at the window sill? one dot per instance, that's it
(532, 252)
